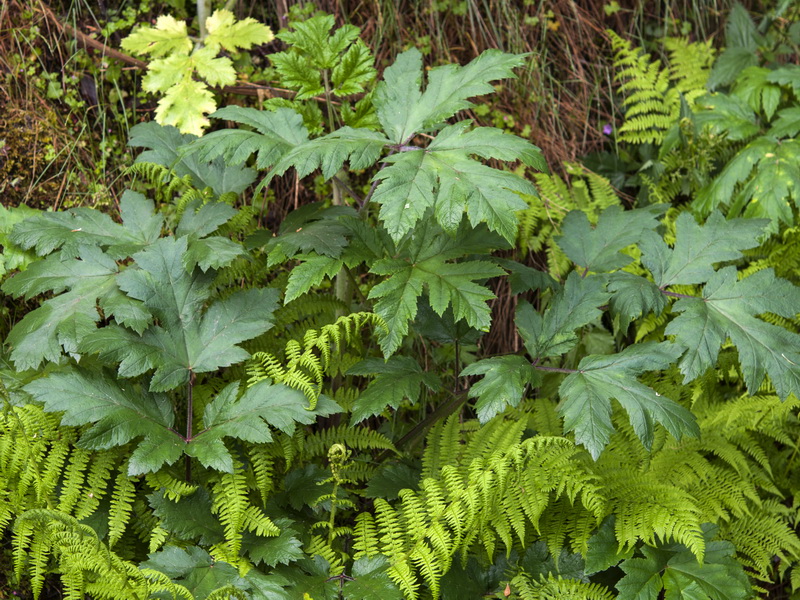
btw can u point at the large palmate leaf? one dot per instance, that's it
(248, 418)
(633, 296)
(164, 145)
(190, 518)
(275, 133)
(313, 48)
(371, 580)
(169, 36)
(188, 338)
(764, 177)
(397, 379)
(309, 273)
(698, 248)
(224, 31)
(587, 394)
(182, 70)
(118, 414)
(444, 177)
(78, 227)
(504, 381)
(62, 322)
(361, 147)
(312, 228)
(194, 569)
(598, 249)
(575, 305)
(728, 309)
(674, 569)
(449, 284)
(404, 110)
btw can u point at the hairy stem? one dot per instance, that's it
(202, 14)
(189, 420)
(554, 369)
(677, 295)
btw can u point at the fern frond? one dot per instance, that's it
(555, 587)
(652, 94)
(174, 488)
(76, 550)
(305, 363)
(230, 504)
(363, 439)
(494, 498)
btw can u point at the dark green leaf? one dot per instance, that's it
(587, 394)
(190, 518)
(503, 383)
(188, 339)
(118, 415)
(698, 248)
(399, 378)
(283, 549)
(370, 580)
(633, 296)
(166, 146)
(390, 479)
(728, 309)
(604, 551)
(574, 306)
(598, 249)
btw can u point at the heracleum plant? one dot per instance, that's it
(171, 433)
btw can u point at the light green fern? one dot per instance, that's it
(652, 94)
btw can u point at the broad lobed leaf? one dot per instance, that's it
(587, 394)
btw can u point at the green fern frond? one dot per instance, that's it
(761, 537)
(305, 363)
(363, 439)
(541, 221)
(41, 533)
(227, 592)
(553, 587)
(319, 546)
(495, 491)
(652, 94)
(174, 488)
(365, 536)
(97, 479)
(121, 505)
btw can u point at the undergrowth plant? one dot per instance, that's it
(201, 407)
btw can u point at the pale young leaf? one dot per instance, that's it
(168, 37)
(185, 106)
(232, 35)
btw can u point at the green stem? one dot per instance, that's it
(202, 15)
(332, 518)
(445, 409)
(677, 295)
(328, 104)
(555, 369)
(189, 421)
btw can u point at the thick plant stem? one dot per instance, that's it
(202, 14)
(344, 284)
(189, 422)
